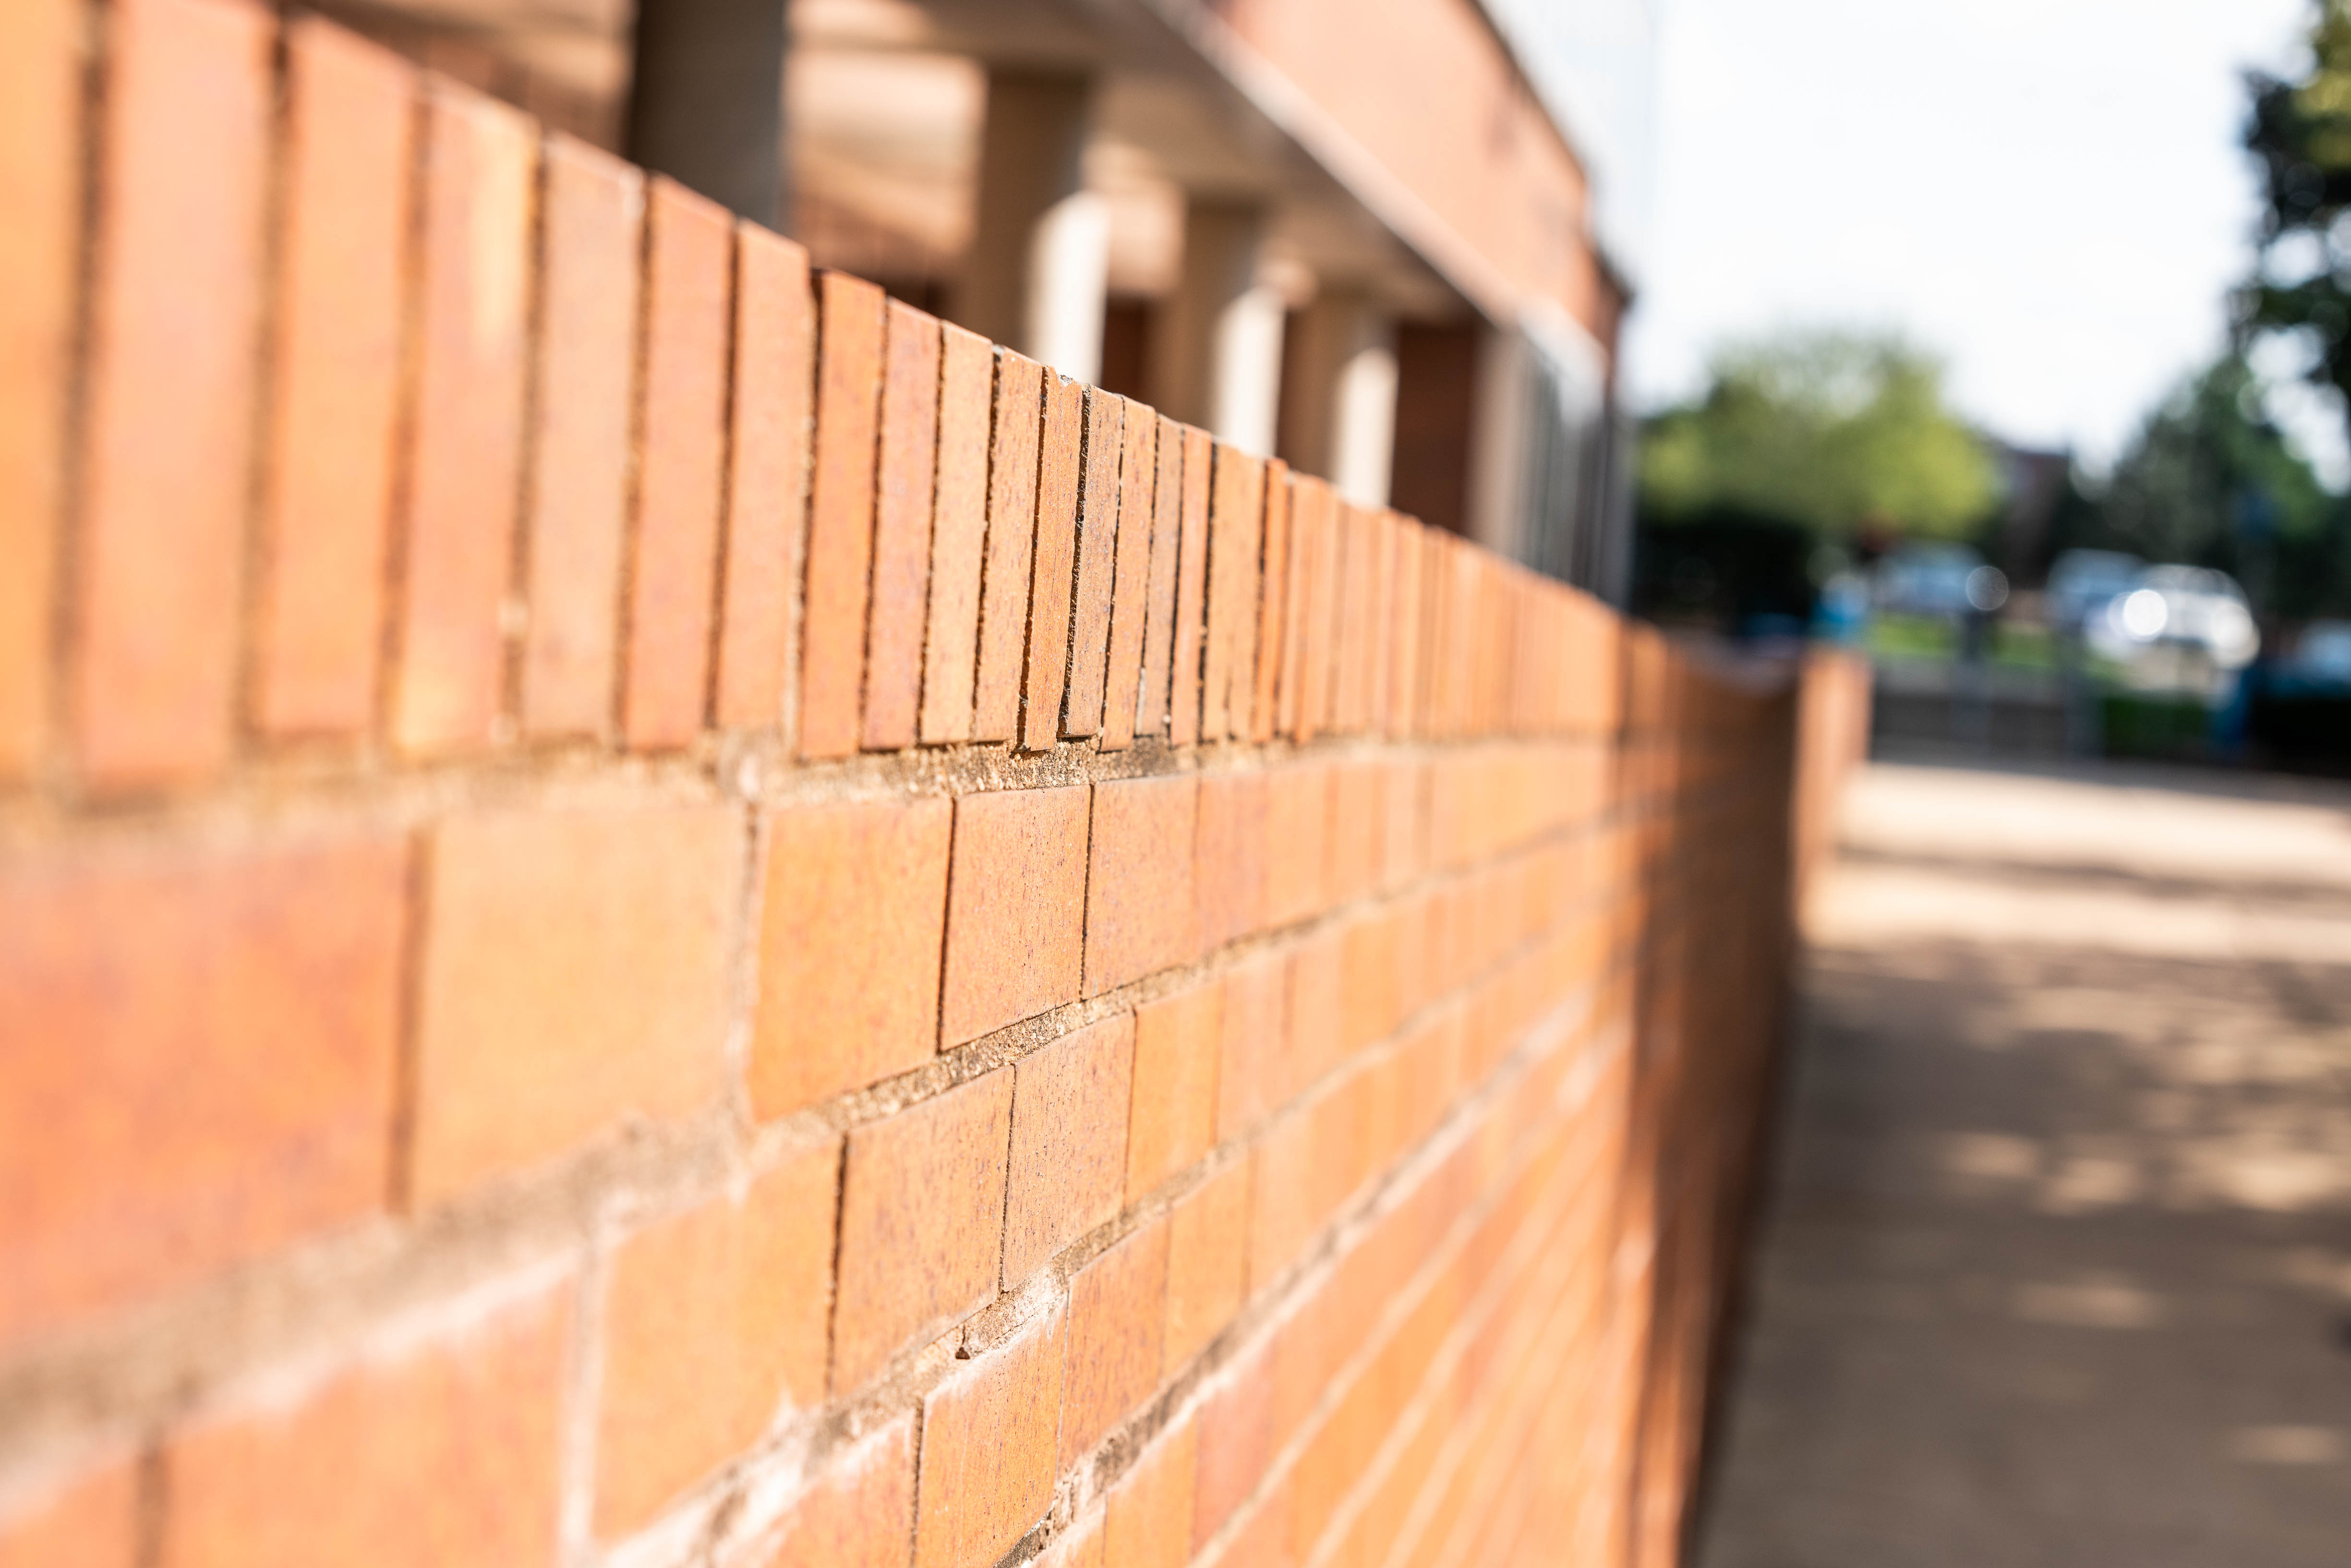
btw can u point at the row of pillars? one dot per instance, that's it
(707, 109)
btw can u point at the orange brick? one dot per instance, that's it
(573, 978)
(1069, 1142)
(1236, 1445)
(1314, 534)
(1272, 603)
(1281, 1200)
(1250, 1075)
(1139, 906)
(1012, 477)
(714, 1316)
(1349, 699)
(840, 513)
(1131, 595)
(1297, 835)
(1160, 594)
(1080, 1546)
(1314, 1034)
(1230, 861)
(42, 133)
(335, 380)
(1401, 685)
(92, 1522)
(860, 1514)
(175, 306)
(1173, 1120)
(682, 452)
(958, 534)
(1369, 1004)
(1400, 824)
(854, 915)
(901, 528)
(922, 1222)
(1191, 588)
(198, 1065)
(1098, 560)
(1016, 908)
(1117, 1325)
(1207, 1260)
(1355, 831)
(767, 488)
(1263, 1540)
(1047, 666)
(988, 1450)
(465, 449)
(1228, 670)
(450, 1454)
(1304, 495)
(1147, 1518)
(591, 222)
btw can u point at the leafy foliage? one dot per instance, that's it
(1826, 430)
(2300, 131)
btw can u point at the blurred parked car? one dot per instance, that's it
(1926, 580)
(2081, 581)
(2186, 626)
(2321, 660)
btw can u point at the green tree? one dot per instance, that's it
(2300, 131)
(1825, 429)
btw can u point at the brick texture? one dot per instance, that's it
(1175, 1114)
(573, 978)
(1139, 909)
(1069, 1142)
(90, 1521)
(767, 489)
(1016, 909)
(901, 528)
(840, 513)
(988, 1450)
(860, 1512)
(1116, 1338)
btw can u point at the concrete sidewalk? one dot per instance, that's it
(2056, 1269)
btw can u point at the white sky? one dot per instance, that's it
(2048, 193)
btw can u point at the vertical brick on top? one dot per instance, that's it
(901, 528)
(168, 447)
(958, 534)
(1097, 557)
(682, 450)
(1045, 680)
(840, 513)
(464, 451)
(351, 112)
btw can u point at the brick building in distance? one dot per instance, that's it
(1356, 237)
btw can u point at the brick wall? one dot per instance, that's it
(655, 912)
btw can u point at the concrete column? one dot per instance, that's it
(1340, 395)
(1496, 503)
(1039, 271)
(1218, 358)
(706, 101)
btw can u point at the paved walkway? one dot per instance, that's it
(2057, 1266)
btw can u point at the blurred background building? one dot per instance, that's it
(1395, 256)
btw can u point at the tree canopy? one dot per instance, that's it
(1825, 429)
(2300, 132)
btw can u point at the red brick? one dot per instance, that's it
(860, 1514)
(92, 1522)
(1080, 1546)
(1117, 1326)
(1098, 560)
(682, 451)
(1129, 599)
(1229, 865)
(1250, 1053)
(1351, 630)
(714, 1316)
(1371, 1004)
(1314, 533)
(767, 488)
(1400, 851)
(854, 919)
(1016, 909)
(1175, 1115)
(1048, 667)
(958, 534)
(1296, 836)
(1381, 526)
(901, 528)
(1298, 501)
(1282, 1202)
(1160, 592)
(450, 1454)
(465, 449)
(1402, 684)
(1228, 669)
(988, 1450)
(198, 1065)
(1069, 1142)
(921, 1224)
(1314, 1040)
(1139, 907)
(1147, 1518)
(42, 131)
(175, 312)
(1207, 1262)
(335, 380)
(1236, 1445)
(1272, 603)
(840, 513)
(573, 980)
(1354, 866)
(1184, 693)
(591, 222)
(1012, 480)
(1263, 1540)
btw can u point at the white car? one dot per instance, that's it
(2189, 610)
(2082, 581)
